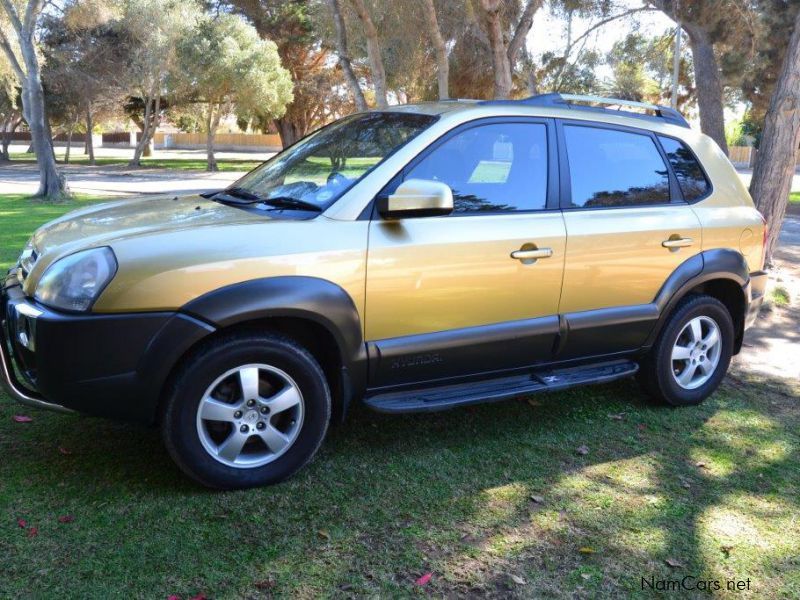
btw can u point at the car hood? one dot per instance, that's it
(103, 224)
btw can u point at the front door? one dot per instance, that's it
(628, 229)
(445, 296)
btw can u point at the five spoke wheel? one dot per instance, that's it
(696, 352)
(250, 416)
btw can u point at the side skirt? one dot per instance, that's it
(443, 397)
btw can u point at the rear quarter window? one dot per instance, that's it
(688, 171)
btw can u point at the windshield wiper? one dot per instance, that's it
(238, 193)
(290, 203)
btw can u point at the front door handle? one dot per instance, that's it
(532, 254)
(677, 242)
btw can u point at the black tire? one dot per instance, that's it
(656, 369)
(179, 426)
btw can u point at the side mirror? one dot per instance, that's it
(417, 198)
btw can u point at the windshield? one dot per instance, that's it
(323, 166)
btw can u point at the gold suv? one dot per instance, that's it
(416, 259)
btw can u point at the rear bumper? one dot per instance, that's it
(104, 365)
(756, 288)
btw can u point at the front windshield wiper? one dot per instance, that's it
(231, 197)
(289, 202)
(237, 193)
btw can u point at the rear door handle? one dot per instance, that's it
(677, 242)
(532, 254)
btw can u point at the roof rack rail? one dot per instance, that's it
(602, 104)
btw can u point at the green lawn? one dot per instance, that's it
(184, 164)
(794, 197)
(493, 500)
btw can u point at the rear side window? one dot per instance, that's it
(687, 170)
(614, 168)
(500, 167)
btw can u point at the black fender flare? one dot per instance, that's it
(719, 263)
(311, 298)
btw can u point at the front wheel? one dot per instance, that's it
(692, 352)
(246, 410)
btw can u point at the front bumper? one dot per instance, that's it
(104, 365)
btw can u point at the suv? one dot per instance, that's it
(419, 258)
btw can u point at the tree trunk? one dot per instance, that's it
(442, 61)
(152, 110)
(344, 56)
(52, 184)
(69, 145)
(374, 54)
(500, 63)
(8, 131)
(89, 141)
(288, 130)
(708, 83)
(775, 162)
(212, 122)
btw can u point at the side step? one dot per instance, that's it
(443, 397)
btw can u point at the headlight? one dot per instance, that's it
(75, 281)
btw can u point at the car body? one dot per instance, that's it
(484, 252)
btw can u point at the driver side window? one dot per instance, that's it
(500, 167)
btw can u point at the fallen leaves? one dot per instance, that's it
(64, 451)
(324, 535)
(424, 579)
(537, 499)
(582, 450)
(517, 579)
(66, 518)
(33, 532)
(22, 523)
(587, 550)
(617, 417)
(21, 419)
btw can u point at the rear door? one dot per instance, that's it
(445, 296)
(628, 229)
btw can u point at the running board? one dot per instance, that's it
(443, 397)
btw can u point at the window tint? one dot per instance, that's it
(499, 167)
(687, 170)
(614, 168)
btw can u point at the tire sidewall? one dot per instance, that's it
(180, 417)
(706, 306)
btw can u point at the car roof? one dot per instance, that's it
(604, 110)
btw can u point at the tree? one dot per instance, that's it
(713, 27)
(23, 23)
(505, 53)
(153, 28)
(225, 64)
(344, 55)
(440, 47)
(775, 163)
(373, 52)
(291, 25)
(10, 109)
(85, 73)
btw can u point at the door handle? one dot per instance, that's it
(676, 242)
(532, 254)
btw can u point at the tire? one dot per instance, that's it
(673, 381)
(268, 406)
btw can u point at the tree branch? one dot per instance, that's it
(609, 20)
(11, 10)
(522, 29)
(12, 58)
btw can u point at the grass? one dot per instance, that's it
(20, 215)
(794, 198)
(182, 164)
(493, 500)
(779, 296)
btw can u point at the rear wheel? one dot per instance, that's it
(692, 352)
(246, 410)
